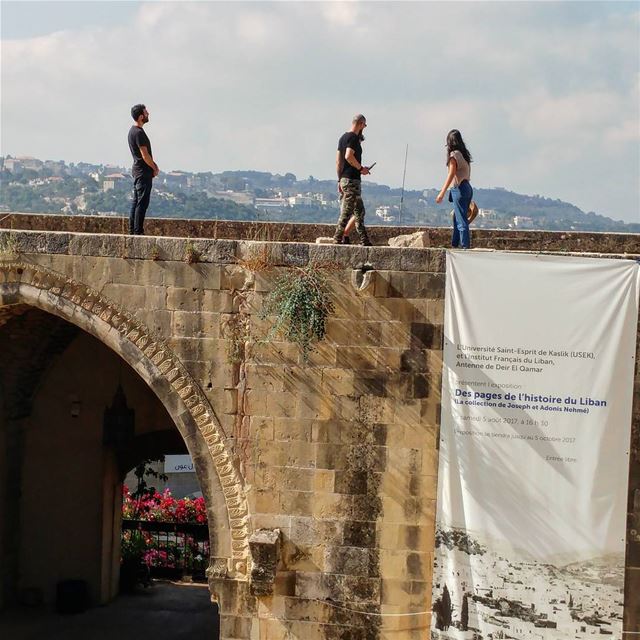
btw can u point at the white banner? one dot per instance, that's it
(537, 388)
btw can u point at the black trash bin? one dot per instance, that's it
(72, 596)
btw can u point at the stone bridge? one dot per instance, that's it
(320, 476)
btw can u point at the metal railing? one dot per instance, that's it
(170, 549)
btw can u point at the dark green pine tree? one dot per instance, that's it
(446, 608)
(464, 613)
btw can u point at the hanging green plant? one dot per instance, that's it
(301, 302)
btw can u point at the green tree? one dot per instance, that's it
(464, 613)
(447, 608)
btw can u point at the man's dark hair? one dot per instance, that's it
(137, 110)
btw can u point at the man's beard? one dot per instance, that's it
(145, 119)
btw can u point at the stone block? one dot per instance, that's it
(366, 507)
(350, 561)
(356, 357)
(264, 545)
(261, 428)
(323, 480)
(296, 503)
(435, 312)
(330, 506)
(295, 254)
(369, 383)
(236, 278)
(384, 258)
(419, 239)
(359, 534)
(408, 412)
(337, 381)
(351, 482)
(292, 429)
(302, 557)
(395, 334)
(255, 403)
(271, 629)
(191, 324)
(434, 284)
(388, 535)
(285, 583)
(353, 333)
(157, 322)
(388, 359)
(323, 354)
(374, 409)
(265, 501)
(349, 307)
(298, 454)
(294, 478)
(352, 256)
(272, 521)
(306, 610)
(319, 586)
(265, 377)
(311, 407)
(332, 456)
(128, 296)
(361, 589)
(437, 260)
(155, 298)
(396, 592)
(388, 309)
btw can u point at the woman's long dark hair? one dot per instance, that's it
(456, 143)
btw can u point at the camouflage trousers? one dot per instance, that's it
(351, 205)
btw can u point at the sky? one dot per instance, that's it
(546, 94)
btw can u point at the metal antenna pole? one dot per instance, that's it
(404, 174)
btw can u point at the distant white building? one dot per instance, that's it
(523, 222)
(177, 179)
(31, 163)
(115, 181)
(300, 201)
(13, 165)
(384, 212)
(270, 204)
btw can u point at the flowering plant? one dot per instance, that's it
(173, 549)
(152, 506)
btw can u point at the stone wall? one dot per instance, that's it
(337, 457)
(566, 241)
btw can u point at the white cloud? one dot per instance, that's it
(533, 87)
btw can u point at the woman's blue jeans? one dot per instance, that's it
(461, 198)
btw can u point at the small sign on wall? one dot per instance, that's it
(178, 464)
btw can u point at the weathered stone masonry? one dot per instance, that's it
(321, 477)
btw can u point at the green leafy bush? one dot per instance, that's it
(301, 302)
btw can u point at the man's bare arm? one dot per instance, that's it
(350, 157)
(339, 163)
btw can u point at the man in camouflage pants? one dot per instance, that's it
(350, 169)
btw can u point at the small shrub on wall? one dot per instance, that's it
(301, 302)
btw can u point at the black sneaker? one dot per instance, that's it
(366, 243)
(346, 240)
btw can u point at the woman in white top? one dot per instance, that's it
(458, 162)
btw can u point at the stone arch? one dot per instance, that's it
(33, 285)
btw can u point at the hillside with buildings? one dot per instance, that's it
(32, 185)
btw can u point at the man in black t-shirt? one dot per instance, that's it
(349, 169)
(144, 169)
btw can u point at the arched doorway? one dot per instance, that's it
(25, 289)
